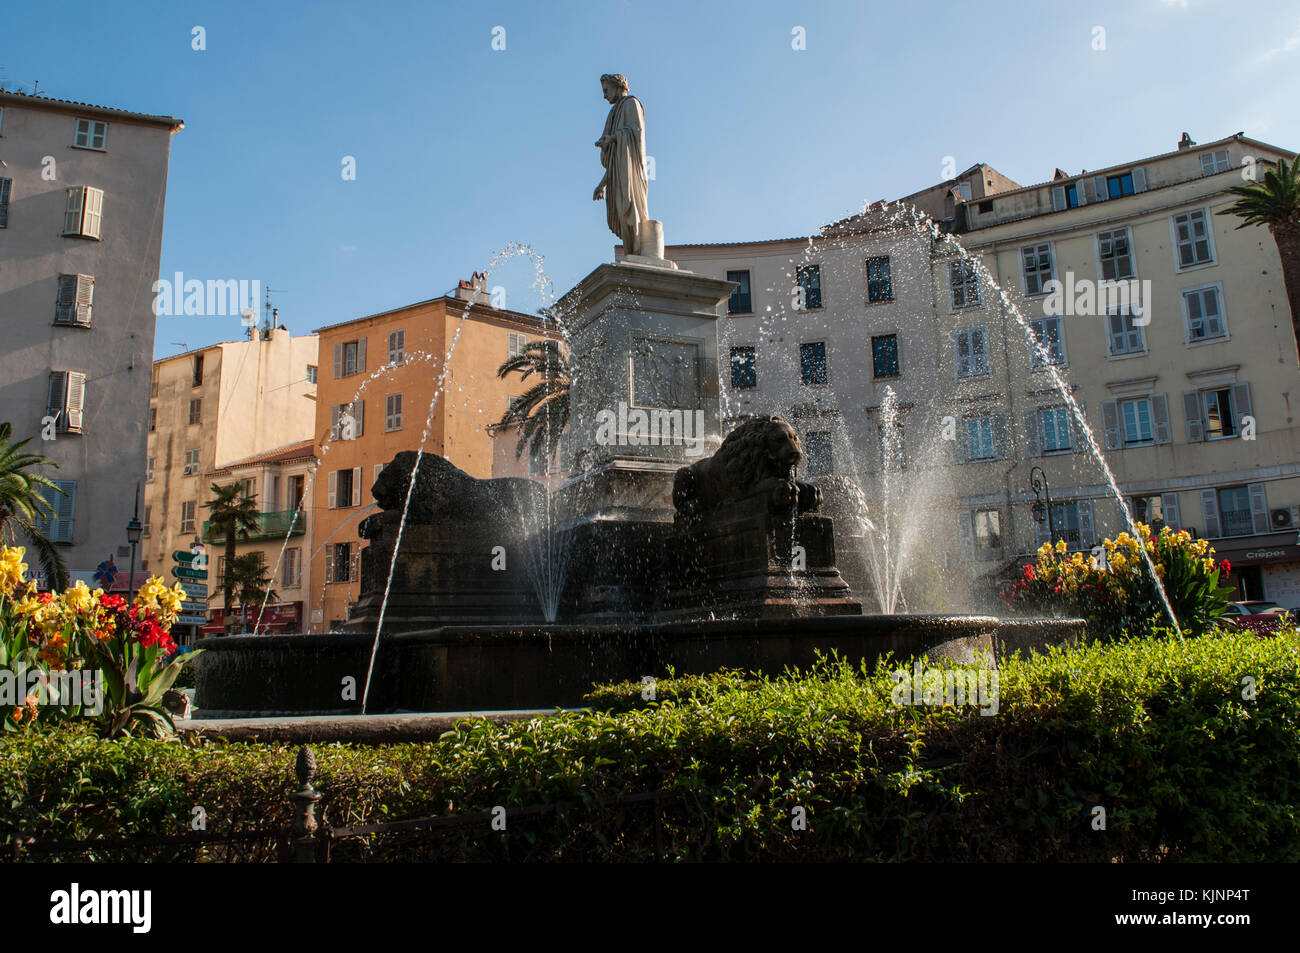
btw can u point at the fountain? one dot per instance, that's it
(669, 547)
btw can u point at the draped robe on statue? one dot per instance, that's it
(624, 159)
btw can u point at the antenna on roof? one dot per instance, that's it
(181, 344)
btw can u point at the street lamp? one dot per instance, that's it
(1041, 510)
(133, 533)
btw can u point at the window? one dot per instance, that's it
(1054, 428)
(812, 362)
(880, 284)
(84, 213)
(1149, 510)
(67, 399)
(1192, 239)
(311, 373)
(1126, 335)
(988, 532)
(58, 523)
(153, 419)
(1204, 314)
(809, 278)
(1234, 512)
(338, 562)
(291, 574)
(884, 355)
(348, 421)
(296, 489)
(1114, 255)
(198, 371)
(148, 470)
(393, 412)
(344, 488)
(1048, 345)
(515, 343)
(248, 487)
(1065, 524)
(191, 463)
(379, 468)
(1036, 262)
(892, 449)
(1136, 418)
(144, 527)
(1214, 162)
(1072, 195)
(740, 301)
(196, 411)
(1217, 413)
(818, 447)
(980, 443)
(744, 368)
(90, 134)
(396, 347)
(76, 296)
(1120, 185)
(188, 508)
(964, 283)
(972, 358)
(6, 187)
(349, 358)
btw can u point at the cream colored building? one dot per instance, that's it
(210, 408)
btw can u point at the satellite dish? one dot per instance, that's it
(248, 317)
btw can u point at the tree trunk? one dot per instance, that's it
(1287, 237)
(227, 583)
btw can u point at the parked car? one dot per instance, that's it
(1259, 614)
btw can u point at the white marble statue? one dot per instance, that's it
(622, 153)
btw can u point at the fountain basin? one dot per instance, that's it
(502, 667)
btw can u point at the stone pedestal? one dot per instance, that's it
(644, 402)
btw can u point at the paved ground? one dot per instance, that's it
(357, 729)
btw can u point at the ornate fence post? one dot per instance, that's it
(304, 802)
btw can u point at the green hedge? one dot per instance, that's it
(1155, 731)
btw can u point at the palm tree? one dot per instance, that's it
(1275, 203)
(233, 514)
(249, 576)
(542, 411)
(23, 507)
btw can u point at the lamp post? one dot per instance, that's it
(1038, 482)
(133, 533)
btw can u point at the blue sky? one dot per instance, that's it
(461, 149)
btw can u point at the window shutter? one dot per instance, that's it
(334, 421)
(329, 560)
(1169, 507)
(1210, 514)
(1259, 508)
(76, 399)
(965, 535)
(356, 486)
(6, 185)
(1033, 437)
(333, 489)
(963, 441)
(1001, 446)
(1240, 403)
(57, 403)
(65, 302)
(1192, 412)
(1110, 424)
(1080, 191)
(379, 468)
(361, 356)
(1058, 198)
(1139, 180)
(94, 212)
(85, 290)
(65, 508)
(1099, 188)
(338, 361)
(963, 354)
(1087, 536)
(1042, 534)
(72, 214)
(1160, 417)
(1077, 442)
(359, 414)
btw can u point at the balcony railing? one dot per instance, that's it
(269, 526)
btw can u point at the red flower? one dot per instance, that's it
(1029, 574)
(45, 597)
(1225, 567)
(113, 602)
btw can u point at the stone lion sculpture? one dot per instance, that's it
(759, 456)
(446, 494)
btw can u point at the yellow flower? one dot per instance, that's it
(13, 571)
(1060, 547)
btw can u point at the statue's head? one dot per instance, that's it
(613, 85)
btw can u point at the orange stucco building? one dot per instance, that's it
(364, 419)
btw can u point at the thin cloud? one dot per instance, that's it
(1289, 45)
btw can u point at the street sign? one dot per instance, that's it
(181, 556)
(192, 620)
(185, 572)
(194, 608)
(195, 590)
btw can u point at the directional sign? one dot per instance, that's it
(182, 556)
(194, 608)
(195, 590)
(185, 572)
(192, 620)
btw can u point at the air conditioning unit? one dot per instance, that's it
(1284, 517)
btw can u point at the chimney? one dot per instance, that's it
(1185, 142)
(474, 290)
